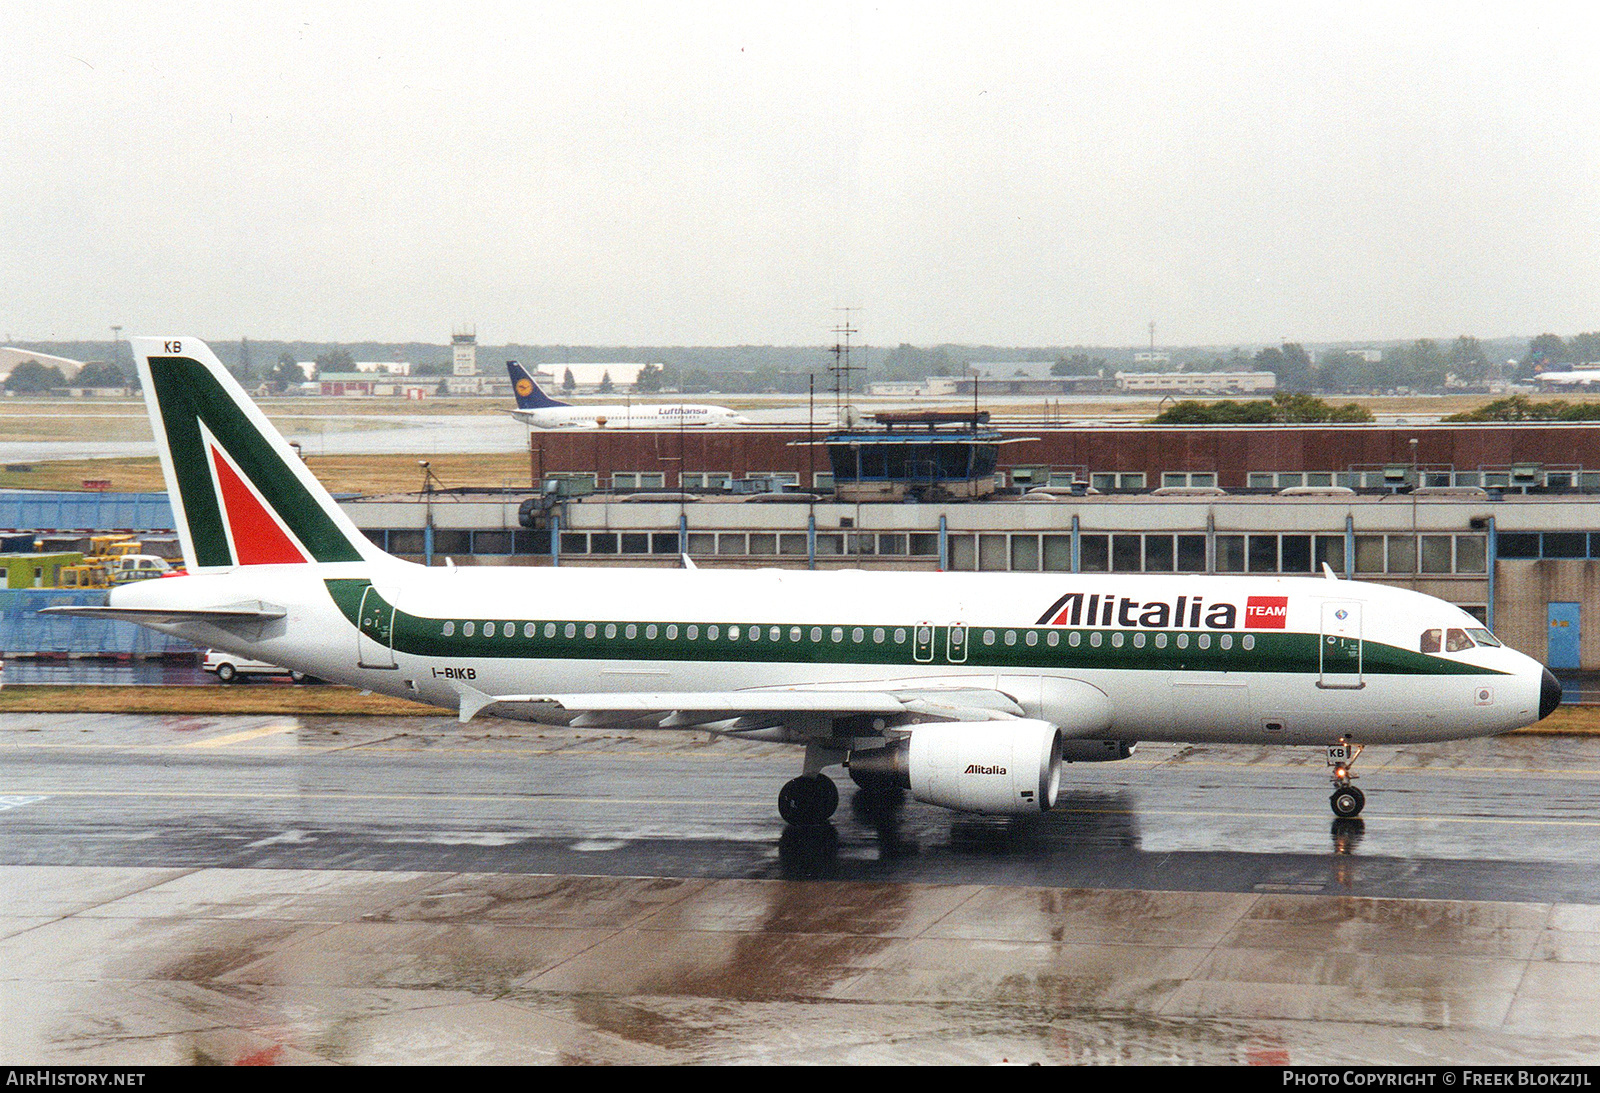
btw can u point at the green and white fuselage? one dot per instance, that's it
(968, 688)
(429, 633)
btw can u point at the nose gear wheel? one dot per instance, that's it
(1347, 801)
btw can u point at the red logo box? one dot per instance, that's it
(1266, 612)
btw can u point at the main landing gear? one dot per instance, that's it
(1347, 801)
(808, 799)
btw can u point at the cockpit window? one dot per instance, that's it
(1430, 640)
(1483, 637)
(1456, 641)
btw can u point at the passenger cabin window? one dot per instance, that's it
(1456, 641)
(1430, 640)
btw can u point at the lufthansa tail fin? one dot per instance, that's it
(240, 494)
(530, 396)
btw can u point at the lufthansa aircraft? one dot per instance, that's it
(1577, 377)
(541, 411)
(968, 689)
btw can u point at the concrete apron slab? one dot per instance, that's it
(142, 966)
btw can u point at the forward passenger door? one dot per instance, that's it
(1339, 647)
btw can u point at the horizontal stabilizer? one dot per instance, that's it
(255, 611)
(247, 620)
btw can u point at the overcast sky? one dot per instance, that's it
(685, 173)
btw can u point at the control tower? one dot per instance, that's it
(464, 379)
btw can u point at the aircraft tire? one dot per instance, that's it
(1347, 802)
(808, 799)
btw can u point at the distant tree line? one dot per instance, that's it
(32, 378)
(1285, 407)
(649, 379)
(1522, 408)
(1079, 364)
(287, 373)
(1420, 365)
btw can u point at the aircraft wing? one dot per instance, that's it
(684, 709)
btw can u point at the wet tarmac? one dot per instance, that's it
(272, 889)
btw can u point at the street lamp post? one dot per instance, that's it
(428, 480)
(1416, 545)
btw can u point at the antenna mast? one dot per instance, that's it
(841, 367)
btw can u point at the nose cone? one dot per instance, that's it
(1549, 695)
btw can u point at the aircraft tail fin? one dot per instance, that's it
(240, 494)
(530, 396)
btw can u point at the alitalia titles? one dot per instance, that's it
(1185, 612)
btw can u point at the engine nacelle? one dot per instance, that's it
(995, 767)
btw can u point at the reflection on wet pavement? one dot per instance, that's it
(270, 890)
(133, 966)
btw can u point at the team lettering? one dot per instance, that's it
(1185, 612)
(1271, 612)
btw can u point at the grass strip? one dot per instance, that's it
(244, 698)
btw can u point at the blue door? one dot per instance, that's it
(1564, 631)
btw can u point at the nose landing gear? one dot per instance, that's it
(1347, 801)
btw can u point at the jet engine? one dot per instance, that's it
(995, 767)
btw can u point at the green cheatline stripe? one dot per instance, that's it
(187, 393)
(838, 644)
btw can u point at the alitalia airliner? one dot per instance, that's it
(538, 409)
(969, 690)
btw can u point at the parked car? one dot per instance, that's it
(140, 567)
(231, 669)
